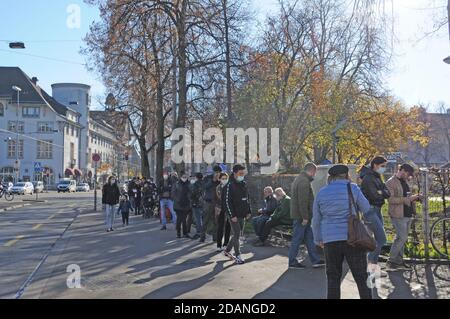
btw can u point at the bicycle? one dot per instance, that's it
(8, 195)
(440, 236)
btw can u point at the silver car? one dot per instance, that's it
(38, 186)
(23, 188)
(83, 187)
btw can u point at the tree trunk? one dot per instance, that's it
(182, 65)
(228, 62)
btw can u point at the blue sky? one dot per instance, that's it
(418, 73)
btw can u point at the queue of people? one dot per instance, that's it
(219, 204)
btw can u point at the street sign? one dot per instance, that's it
(37, 167)
(96, 157)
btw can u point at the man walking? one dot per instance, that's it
(401, 209)
(110, 198)
(237, 207)
(302, 201)
(209, 202)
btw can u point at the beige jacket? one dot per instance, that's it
(397, 200)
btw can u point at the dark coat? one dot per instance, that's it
(197, 194)
(181, 195)
(270, 204)
(125, 207)
(374, 189)
(237, 203)
(209, 188)
(110, 194)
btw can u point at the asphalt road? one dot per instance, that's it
(39, 242)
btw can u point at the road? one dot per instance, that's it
(39, 242)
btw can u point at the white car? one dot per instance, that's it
(83, 187)
(66, 185)
(38, 186)
(23, 188)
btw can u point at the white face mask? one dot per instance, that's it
(165, 176)
(184, 179)
(113, 181)
(240, 178)
(192, 181)
(381, 170)
(224, 182)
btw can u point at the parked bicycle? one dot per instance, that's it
(440, 236)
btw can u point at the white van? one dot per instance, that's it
(66, 185)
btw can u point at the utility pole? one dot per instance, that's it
(18, 90)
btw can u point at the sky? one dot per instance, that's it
(417, 75)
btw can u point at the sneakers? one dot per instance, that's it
(228, 254)
(319, 264)
(164, 227)
(196, 236)
(297, 266)
(238, 260)
(202, 239)
(178, 235)
(219, 249)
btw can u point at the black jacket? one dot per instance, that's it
(197, 194)
(374, 189)
(165, 188)
(237, 203)
(209, 188)
(270, 204)
(110, 194)
(181, 195)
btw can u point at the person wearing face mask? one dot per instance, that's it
(330, 229)
(302, 199)
(223, 224)
(401, 210)
(165, 200)
(182, 203)
(376, 193)
(237, 206)
(110, 198)
(197, 203)
(209, 202)
(281, 216)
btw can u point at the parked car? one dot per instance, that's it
(23, 188)
(66, 185)
(38, 186)
(83, 187)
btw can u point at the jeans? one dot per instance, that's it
(335, 252)
(302, 233)
(223, 225)
(267, 227)
(401, 226)
(198, 215)
(376, 225)
(163, 203)
(235, 234)
(258, 223)
(109, 216)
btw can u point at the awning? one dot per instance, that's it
(69, 172)
(78, 172)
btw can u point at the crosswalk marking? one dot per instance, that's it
(36, 226)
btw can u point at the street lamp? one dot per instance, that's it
(18, 90)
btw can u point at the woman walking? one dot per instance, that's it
(110, 198)
(330, 229)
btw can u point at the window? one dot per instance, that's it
(30, 111)
(2, 109)
(72, 151)
(45, 127)
(12, 149)
(67, 129)
(12, 126)
(45, 149)
(72, 130)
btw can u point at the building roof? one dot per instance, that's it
(31, 93)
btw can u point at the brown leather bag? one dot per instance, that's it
(358, 235)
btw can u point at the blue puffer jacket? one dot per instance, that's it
(330, 211)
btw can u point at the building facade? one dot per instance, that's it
(56, 133)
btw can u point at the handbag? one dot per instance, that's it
(358, 234)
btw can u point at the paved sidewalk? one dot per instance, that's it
(141, 261)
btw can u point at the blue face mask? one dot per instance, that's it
(240, 178)
(381, 170)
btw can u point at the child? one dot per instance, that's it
(124, 208)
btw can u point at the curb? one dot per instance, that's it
(13, 207)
